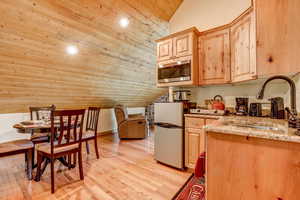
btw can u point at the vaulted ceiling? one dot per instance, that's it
(114, 65)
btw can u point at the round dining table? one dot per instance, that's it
(33, 126)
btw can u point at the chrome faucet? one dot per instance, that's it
(292, 92)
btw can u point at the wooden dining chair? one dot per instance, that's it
(40, 136)
(36, 114)
(92, 128)
(65, 142)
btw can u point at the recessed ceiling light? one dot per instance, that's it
(72, 50)
(124, 22)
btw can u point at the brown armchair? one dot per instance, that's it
(130, 126)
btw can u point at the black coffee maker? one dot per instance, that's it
(241, 107)
(277, 108)
(255, 110)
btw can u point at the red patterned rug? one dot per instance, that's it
(194, 189)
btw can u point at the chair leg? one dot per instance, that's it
(25, 161)
(29, 163)
(46, 162)
(87, 147)
(96, 147)
(69, 161)
(39, 165)
(33, 154)
(74, 159)
(80, 165)
(52, 176)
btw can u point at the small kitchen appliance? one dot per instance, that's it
(241, 106)
(277, 108)
(217, 103)
(175, 71)
(255, 110)
(182, 95)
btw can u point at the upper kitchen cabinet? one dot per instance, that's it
(214, 56)
(243, 48)
(265, 40)
(177, 57)
(177, 45)
(183, 45)
(278, 38)
(164, 50)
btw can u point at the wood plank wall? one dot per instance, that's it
(113, 66)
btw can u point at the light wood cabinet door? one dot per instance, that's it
(164, 50)
(247, 168)
(214, 57)
(278, 38)
(193, 146)
(183, 45)
(243, 49)
(195, 139)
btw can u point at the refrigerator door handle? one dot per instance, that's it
(166, 125)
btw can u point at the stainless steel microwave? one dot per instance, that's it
(176, 71)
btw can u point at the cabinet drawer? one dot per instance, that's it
(210, 121)
(194, 122)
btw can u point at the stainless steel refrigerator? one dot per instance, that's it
(169, 138)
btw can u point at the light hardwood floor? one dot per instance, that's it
(125, 170)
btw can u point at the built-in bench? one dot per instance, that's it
(19, 147)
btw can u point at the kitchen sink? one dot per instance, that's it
(267, 128)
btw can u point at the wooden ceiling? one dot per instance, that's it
(114, 65)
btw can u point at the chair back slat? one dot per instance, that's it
(75, 125)
(67, 126)
(37, 115)
(61, 130)
(68, 129)
(92, 119)
(92, 123)
(89, 122)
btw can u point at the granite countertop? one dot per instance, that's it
(238, 125)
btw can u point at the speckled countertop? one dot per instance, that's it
(246, 126)
(238, 125)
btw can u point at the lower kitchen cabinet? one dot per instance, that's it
(194, 139)
(194, 145)
(247, 168)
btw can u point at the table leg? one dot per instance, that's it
(65, 163)
(29, 163)
(33, 164)
(47, 161)
(41, 170)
